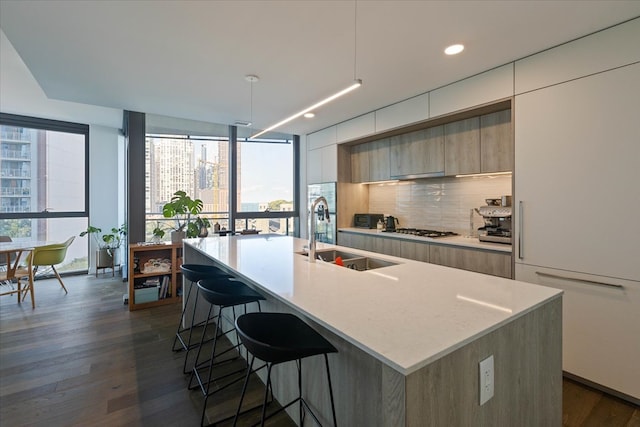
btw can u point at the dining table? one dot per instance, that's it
(17, 272)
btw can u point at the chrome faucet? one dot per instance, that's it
(312, 226)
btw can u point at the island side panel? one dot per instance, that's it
(393, 397)
(366, 392)
(357, 379)
(527, 376)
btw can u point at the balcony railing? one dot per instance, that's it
(13, 209)
(15, 173)
(15, 154)
(15, 191)
(16, 133)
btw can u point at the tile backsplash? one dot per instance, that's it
(438, 203)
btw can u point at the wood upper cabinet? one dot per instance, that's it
(462, 147)
(496, 142)
(478, 144)
(417, 153)
(370, 161)
(360, 163)
(379, 160)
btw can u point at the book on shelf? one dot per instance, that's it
(164, 288)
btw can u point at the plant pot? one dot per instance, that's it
(204, 232)
(178, 236)
(104, 258)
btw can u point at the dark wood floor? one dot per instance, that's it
(83, 359)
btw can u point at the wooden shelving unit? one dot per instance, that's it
(139, 254)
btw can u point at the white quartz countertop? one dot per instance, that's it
(469, 242)
(406, 315)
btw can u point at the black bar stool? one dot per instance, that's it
(193, 273)
(277, 338)
(224, 294)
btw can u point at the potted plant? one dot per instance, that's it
(108, 244)
(203, 225)
(184, 210)
(158, 233)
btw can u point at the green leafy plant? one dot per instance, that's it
(111, 240)
(184, 210)
(202, 222)
(158, 232)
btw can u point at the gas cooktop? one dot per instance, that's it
(424, 233)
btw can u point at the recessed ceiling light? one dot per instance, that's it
(309, 115)
(454, 49)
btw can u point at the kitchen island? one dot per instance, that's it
(410, 336)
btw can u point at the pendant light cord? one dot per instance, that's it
(355, 39)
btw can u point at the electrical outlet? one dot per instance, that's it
(486, 379)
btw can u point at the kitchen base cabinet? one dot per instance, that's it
(480, 261)
(477, 260)
(150, 264)
(356, 241)
(415, 250)
(600, 327)
(387, 246)
(377, 244)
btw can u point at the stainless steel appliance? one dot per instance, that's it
(497, 224)
(324, 231)
(367, 220)
(434, 234)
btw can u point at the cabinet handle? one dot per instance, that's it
(588, 282)
(520, 228)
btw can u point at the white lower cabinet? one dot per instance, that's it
(600, 326)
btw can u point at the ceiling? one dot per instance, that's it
(189, 59)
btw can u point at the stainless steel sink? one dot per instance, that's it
(350, 260)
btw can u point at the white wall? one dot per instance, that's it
(21, 94)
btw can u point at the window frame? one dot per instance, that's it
(234, 213)
(57, 126)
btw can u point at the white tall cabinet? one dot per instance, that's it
(577, 199)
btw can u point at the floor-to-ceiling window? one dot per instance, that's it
(198, 158)
(197, 165)
(44, 173)
(266, 185)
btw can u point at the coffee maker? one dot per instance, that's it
(497, 222)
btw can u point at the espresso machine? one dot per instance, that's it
(497, 221)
